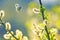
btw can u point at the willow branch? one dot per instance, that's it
(8, 30)
(42, 11)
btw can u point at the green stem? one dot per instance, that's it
(42, 11)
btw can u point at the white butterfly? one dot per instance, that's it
(18, 7)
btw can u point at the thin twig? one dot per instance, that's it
(42, 11)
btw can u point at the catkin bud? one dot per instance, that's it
(7, 36)
(25, 38)
(2, 13)
(19, 34)
(45, 22)
(7, 26)
(36, 11)
(53, 30)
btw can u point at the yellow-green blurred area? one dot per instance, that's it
(25, 18)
